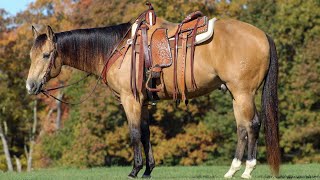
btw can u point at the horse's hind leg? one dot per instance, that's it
(145, 139)
(133, 112)
(241, 144)
(244, 111)
(253, 135)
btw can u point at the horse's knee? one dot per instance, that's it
(135, 135)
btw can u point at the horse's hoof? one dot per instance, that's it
(231, 172)
(146, 176)
(130, 176)
(228, 176)
(246, 176)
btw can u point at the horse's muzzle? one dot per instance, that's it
(33, 87)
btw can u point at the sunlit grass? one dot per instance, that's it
(307, 171)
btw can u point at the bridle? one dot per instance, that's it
(54, 53)
(52, 59)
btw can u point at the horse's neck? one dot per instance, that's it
(91, 66)
(80, 57)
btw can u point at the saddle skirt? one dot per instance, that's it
(164, 39)
(155, 43)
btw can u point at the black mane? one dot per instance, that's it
(85, 45)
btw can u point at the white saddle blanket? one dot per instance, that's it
(207, 35)
(199, 38)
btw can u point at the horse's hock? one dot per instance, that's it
(178, 61)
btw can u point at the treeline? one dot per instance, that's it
(95, 133)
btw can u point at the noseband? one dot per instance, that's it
(46, 76)
(53, 55)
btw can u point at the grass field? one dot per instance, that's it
(308, 171)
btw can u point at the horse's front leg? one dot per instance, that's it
(145, 139)
(133, 110)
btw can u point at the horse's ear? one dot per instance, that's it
(35, 32)
(50, 33)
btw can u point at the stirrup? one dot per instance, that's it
(154, 89)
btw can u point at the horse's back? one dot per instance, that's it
(237, 55)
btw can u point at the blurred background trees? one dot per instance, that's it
(95, 133)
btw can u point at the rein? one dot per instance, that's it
(52, 60)
(47, 74)
(51, 64)
(53, 56)
(46, 91)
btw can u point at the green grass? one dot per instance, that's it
(308, 171)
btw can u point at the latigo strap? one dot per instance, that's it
(156, 56)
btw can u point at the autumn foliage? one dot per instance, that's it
(95, 133)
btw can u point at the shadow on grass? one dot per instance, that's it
(191, 177)
(292, 177)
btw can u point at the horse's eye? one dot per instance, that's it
(46, 55)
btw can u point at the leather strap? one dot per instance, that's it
(133, 64)
(183, 66)
(141, 64)
(175, 61)
(145, 51)
(192, 48)
(53, 55)
(123, 52)
(117, 54)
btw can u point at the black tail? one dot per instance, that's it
(270, 111)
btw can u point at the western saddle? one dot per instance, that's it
(156, 53)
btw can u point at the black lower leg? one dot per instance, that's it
(145, 139)
(253, 135)
(242, 141)
(135, 141)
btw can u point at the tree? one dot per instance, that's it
(203, 131)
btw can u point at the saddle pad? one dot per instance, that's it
(160, 49)
(200, 38)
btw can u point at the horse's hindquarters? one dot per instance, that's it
(240, 55)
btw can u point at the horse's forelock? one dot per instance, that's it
(40, 40)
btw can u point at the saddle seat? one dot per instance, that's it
(162, 36)
(155, 42)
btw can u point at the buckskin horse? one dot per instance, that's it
(238, 56)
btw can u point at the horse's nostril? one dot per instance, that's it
(34, 86)
(31, 86)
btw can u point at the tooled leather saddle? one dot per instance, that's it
(161, 51)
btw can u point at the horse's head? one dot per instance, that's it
(44, 61)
